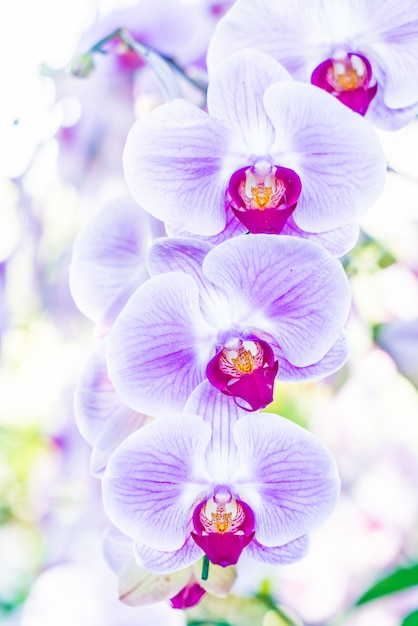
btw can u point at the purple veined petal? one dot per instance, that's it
(108, 260)
(220, 412)
(178, 255)
(337, 241)
(98, 461)
(162, 562)
(210, 405)
(140, 587)
(393, 44)
(235, 96)
(186, 255)
(290, 288)
(102, 417)
(385, 118)
(158, 349)
(118, 548)
(287, 477)
(335, 358)
(233, 228)
(279, 555)
(174, 163)
(281, 30)
(153, 479)
(336, 153)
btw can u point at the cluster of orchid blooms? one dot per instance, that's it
(236, 286)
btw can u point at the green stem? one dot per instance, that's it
(143, 52)
(205, 568)
(98, 46)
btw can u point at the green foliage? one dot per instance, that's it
(402, 578)
(411, 619)
(369, 255)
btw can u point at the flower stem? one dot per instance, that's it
(145, 53)
(205, 568)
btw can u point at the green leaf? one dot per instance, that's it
(397, 581)
(411, 619)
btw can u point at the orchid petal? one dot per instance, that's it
(153, 479)
(186, 255)
(276, 29)
(178, 255)
(287, 477)
(393, 44)
(220, 412)
(211, 405)
(385, 118)
(334, 150)
(161, 562)
(118, 548)
(219, 581)
(233, 228)
(287, 287)
(158, 349)
(102, 417)
(174, 166)
(139, 587)
(337, 241)
(279, 555)
(330, 363)
(108, 260)
(98, 461)
(235, 96)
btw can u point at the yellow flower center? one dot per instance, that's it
(241, 359)
(261, 190)
(347, 74)
(221, 517)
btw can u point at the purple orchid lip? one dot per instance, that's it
(223, 527)
(245, 370)
(348, 79)
(264, 196)
(187, 597)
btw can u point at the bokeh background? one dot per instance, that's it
(61, 141)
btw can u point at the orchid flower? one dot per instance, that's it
(139, 587)
(216, 481)
(240, 314)
(103, 419)
(269, 148)
(108, 261)
(363, 52)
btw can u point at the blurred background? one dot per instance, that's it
(61, 141)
